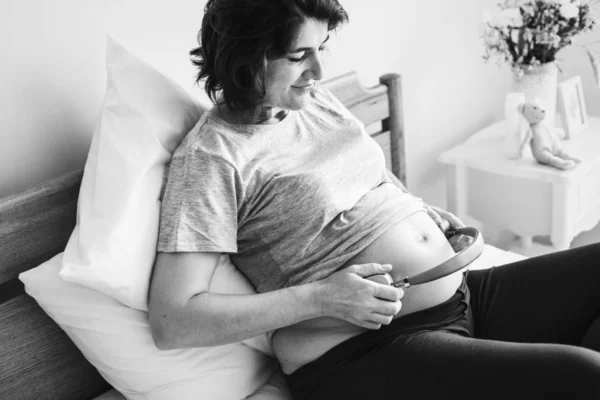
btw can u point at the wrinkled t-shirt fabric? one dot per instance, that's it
(289, 202)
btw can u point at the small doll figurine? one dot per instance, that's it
(546, 145)
(516, 126)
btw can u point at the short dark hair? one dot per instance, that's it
(237, 35)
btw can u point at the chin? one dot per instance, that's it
(293, 102)
(300, 103)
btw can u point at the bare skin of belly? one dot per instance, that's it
(414, 245)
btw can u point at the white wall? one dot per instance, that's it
(52, 61)
(52, 64)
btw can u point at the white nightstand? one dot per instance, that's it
(521, 195)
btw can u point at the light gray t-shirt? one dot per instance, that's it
(290, 202)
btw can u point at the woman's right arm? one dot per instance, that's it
(183, 313)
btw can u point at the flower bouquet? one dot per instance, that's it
(529, 33)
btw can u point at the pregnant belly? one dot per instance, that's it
(414, 245)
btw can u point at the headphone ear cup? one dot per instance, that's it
(460, 242)
(459, 239)
(450, 232)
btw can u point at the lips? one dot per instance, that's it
(305, 87)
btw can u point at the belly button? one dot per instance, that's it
(422, 239)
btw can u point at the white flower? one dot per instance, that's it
(569, 10)
(514, 36)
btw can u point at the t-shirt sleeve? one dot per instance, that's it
(199, 208)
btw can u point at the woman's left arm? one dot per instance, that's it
(444, 219)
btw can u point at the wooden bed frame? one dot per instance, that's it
(37, 359)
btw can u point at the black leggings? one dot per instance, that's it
(519, 331)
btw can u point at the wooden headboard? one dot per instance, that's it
(37, 359)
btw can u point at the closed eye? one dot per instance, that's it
(303, 52)
(304, 55)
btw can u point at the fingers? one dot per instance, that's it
(376, 320)
(388, 308)
(387, 292)
(385, 317)
(361, 294)
(369, 269)
(444, 225)
(380, 319)
(371, 325)
(385, 303)
(439, 221)
(454, 221)
(384, 279)
(445, 219)
(434, 215)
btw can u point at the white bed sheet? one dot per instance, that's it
(493, 256)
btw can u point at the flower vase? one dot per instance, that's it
(540, 83)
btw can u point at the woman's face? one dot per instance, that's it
(289, 80)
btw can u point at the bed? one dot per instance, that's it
(37, 359)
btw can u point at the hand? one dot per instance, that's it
(348, 296)
(444, 220)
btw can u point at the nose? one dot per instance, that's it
(315, 69)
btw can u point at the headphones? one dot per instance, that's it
(468, 245)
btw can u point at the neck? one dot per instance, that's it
(271, 115)
(262, 116)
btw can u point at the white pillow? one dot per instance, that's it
(144, 117)
(116, 339)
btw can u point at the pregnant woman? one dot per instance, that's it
(282, 177)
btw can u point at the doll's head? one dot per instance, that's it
(532, 112)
